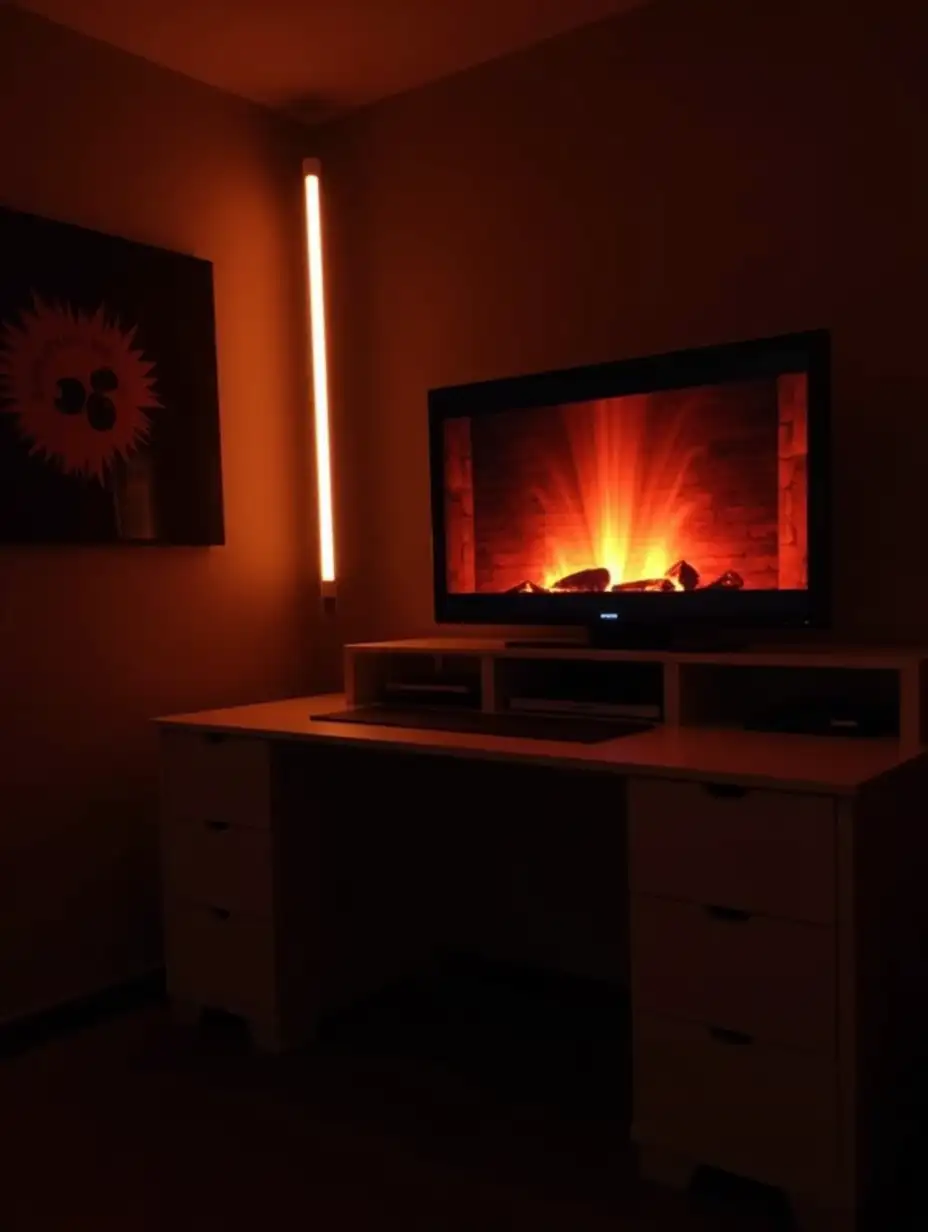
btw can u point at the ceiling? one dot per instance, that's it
(319, 57)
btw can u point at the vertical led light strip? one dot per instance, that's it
(311, 178)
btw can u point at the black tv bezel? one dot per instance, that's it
(809, 351)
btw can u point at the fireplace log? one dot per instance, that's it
(586, 579)
(654, 584)
(728, 581)
(684, 574)
(526, 588)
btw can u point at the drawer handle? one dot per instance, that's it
(218, 827)
(737, 1039)
(219, 913)
(731, 915)
(725, 791)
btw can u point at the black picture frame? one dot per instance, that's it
(109, 405)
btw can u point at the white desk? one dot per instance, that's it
(777, 911)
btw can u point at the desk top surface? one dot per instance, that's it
(794, 763)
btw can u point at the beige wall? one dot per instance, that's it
(695, 172)
(93, 642)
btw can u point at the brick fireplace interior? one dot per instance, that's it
(667, 491)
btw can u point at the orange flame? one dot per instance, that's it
(626, 491)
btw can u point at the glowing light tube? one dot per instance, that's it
(311, 178)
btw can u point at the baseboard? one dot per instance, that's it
(42, 1026)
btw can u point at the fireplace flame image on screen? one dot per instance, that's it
(664, 492)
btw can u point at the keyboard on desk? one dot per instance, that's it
(520, 726)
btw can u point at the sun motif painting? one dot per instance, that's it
(109, 414)
(79, 388)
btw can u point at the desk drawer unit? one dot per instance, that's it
(773, 979)
(757, 1110)
(218, 856)
(734, 955)
(213, 777)
(223, 866)
(766, 852)
(221, 959)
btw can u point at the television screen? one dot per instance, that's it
(691, 487)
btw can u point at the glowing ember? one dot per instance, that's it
(679, 577)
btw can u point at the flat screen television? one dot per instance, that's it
(644, 499)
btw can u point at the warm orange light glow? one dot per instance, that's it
(630, 500)
(311, 175)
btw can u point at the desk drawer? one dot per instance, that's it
(221, 959)
(225, 866)
(767, 852)
(774, 979)
(209, 776)
(757, 1111)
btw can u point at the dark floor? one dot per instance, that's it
(471, 1102)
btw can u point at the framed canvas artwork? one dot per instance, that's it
(109, 411)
